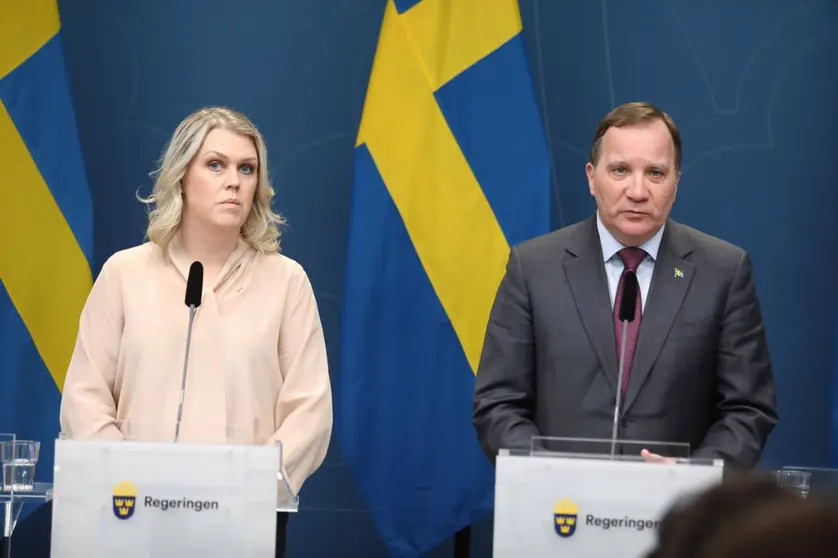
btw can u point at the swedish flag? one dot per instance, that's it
(46, 226)
(451, 168)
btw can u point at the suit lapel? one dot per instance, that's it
(666, 295)
(585, 273)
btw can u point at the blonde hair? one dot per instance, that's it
(261, 228)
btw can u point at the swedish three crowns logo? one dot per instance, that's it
(124, 500)
(564, 518)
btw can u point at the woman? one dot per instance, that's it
(257, 370)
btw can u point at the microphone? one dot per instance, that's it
(626, 314)
(194, 288)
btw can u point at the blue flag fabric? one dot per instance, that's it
(47, 236)
(451, 168)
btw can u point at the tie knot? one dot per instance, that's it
(632, 257)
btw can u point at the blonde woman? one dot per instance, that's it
(258, 371)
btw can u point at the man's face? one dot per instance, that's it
(634, 181)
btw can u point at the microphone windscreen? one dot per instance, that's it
(195, 284)
(629, 300)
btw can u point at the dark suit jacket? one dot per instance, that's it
(701, 373)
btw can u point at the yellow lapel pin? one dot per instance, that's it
(679, 274)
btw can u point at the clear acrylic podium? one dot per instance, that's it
(131, 491)
(12, 503)
(589, 498)
(14, 496)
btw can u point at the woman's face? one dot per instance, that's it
(221, 180)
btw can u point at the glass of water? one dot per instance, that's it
(19, 459)
(796, 481)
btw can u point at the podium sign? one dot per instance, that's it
(133, 499)
(587, 506)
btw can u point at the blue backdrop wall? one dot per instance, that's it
(752, 85)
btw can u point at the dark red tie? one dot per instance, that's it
(631, 259)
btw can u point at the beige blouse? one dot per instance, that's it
(257, 369)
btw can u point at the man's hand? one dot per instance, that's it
(655, 458)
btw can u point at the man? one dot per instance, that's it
(697, 368)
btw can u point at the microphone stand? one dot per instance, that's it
(617, 405)
(626, 314)
(192, 310)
